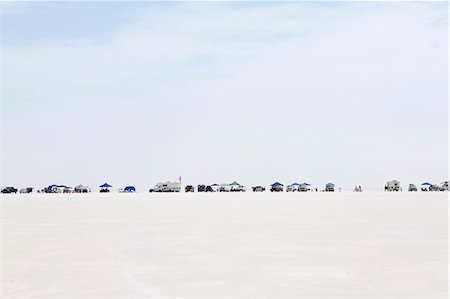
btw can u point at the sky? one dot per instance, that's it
(134, 93)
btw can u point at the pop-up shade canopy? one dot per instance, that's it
(276, 184)
(105, 185)
(427, 184)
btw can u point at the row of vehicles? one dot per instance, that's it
(394, 185)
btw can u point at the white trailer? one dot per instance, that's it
(393, 185)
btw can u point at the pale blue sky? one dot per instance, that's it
(136, 93)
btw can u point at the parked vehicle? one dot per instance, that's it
(225, 188)
(9, 189)
(51, 189)
(129, 189)
(290, 188)
(329, 187)
(82, 189)
(26, 190)
(304, 187)
(189, 188)
(412, 188)
(239, 188)
(66, 189)
(209, 189)
(166, 187)
(276, 187)
(393, 185)
(201, 188)
(434, 188)
(444, 186)
(258, 189)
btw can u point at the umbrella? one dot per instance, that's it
(105, 185)
(215, 185)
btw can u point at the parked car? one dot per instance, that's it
(201, 188)
(276, 187)
(258, 189)
(189, 188)
(444, 186)
(434, 188)
(329, 187)
(9, 190)
(290, 188)
(225, 188)
(304, 187)
(67, 189)
(209, 189)
(239, 188)
(129, 189)
(412, 188)
(26, 190)
(155, 189)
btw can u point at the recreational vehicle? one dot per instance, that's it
(166, 187)
(393, 185)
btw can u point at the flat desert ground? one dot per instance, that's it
(227, 245)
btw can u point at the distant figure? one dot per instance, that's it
(316, 189)
(339, 189)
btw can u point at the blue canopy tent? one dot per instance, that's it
(105, 185)
(427, 184)
(295, 184)
(330, 184)
(235, 184)
(129, 189)
(215, 185)
(306, 184)
(276, 184)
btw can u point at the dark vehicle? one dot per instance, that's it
(189, 188)
(9, 190)
(258, 189)
(276, 187)
(412, 188)
(156, 189)
(129, 189)
(329, 187)
(201, 188)
(209, 189)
